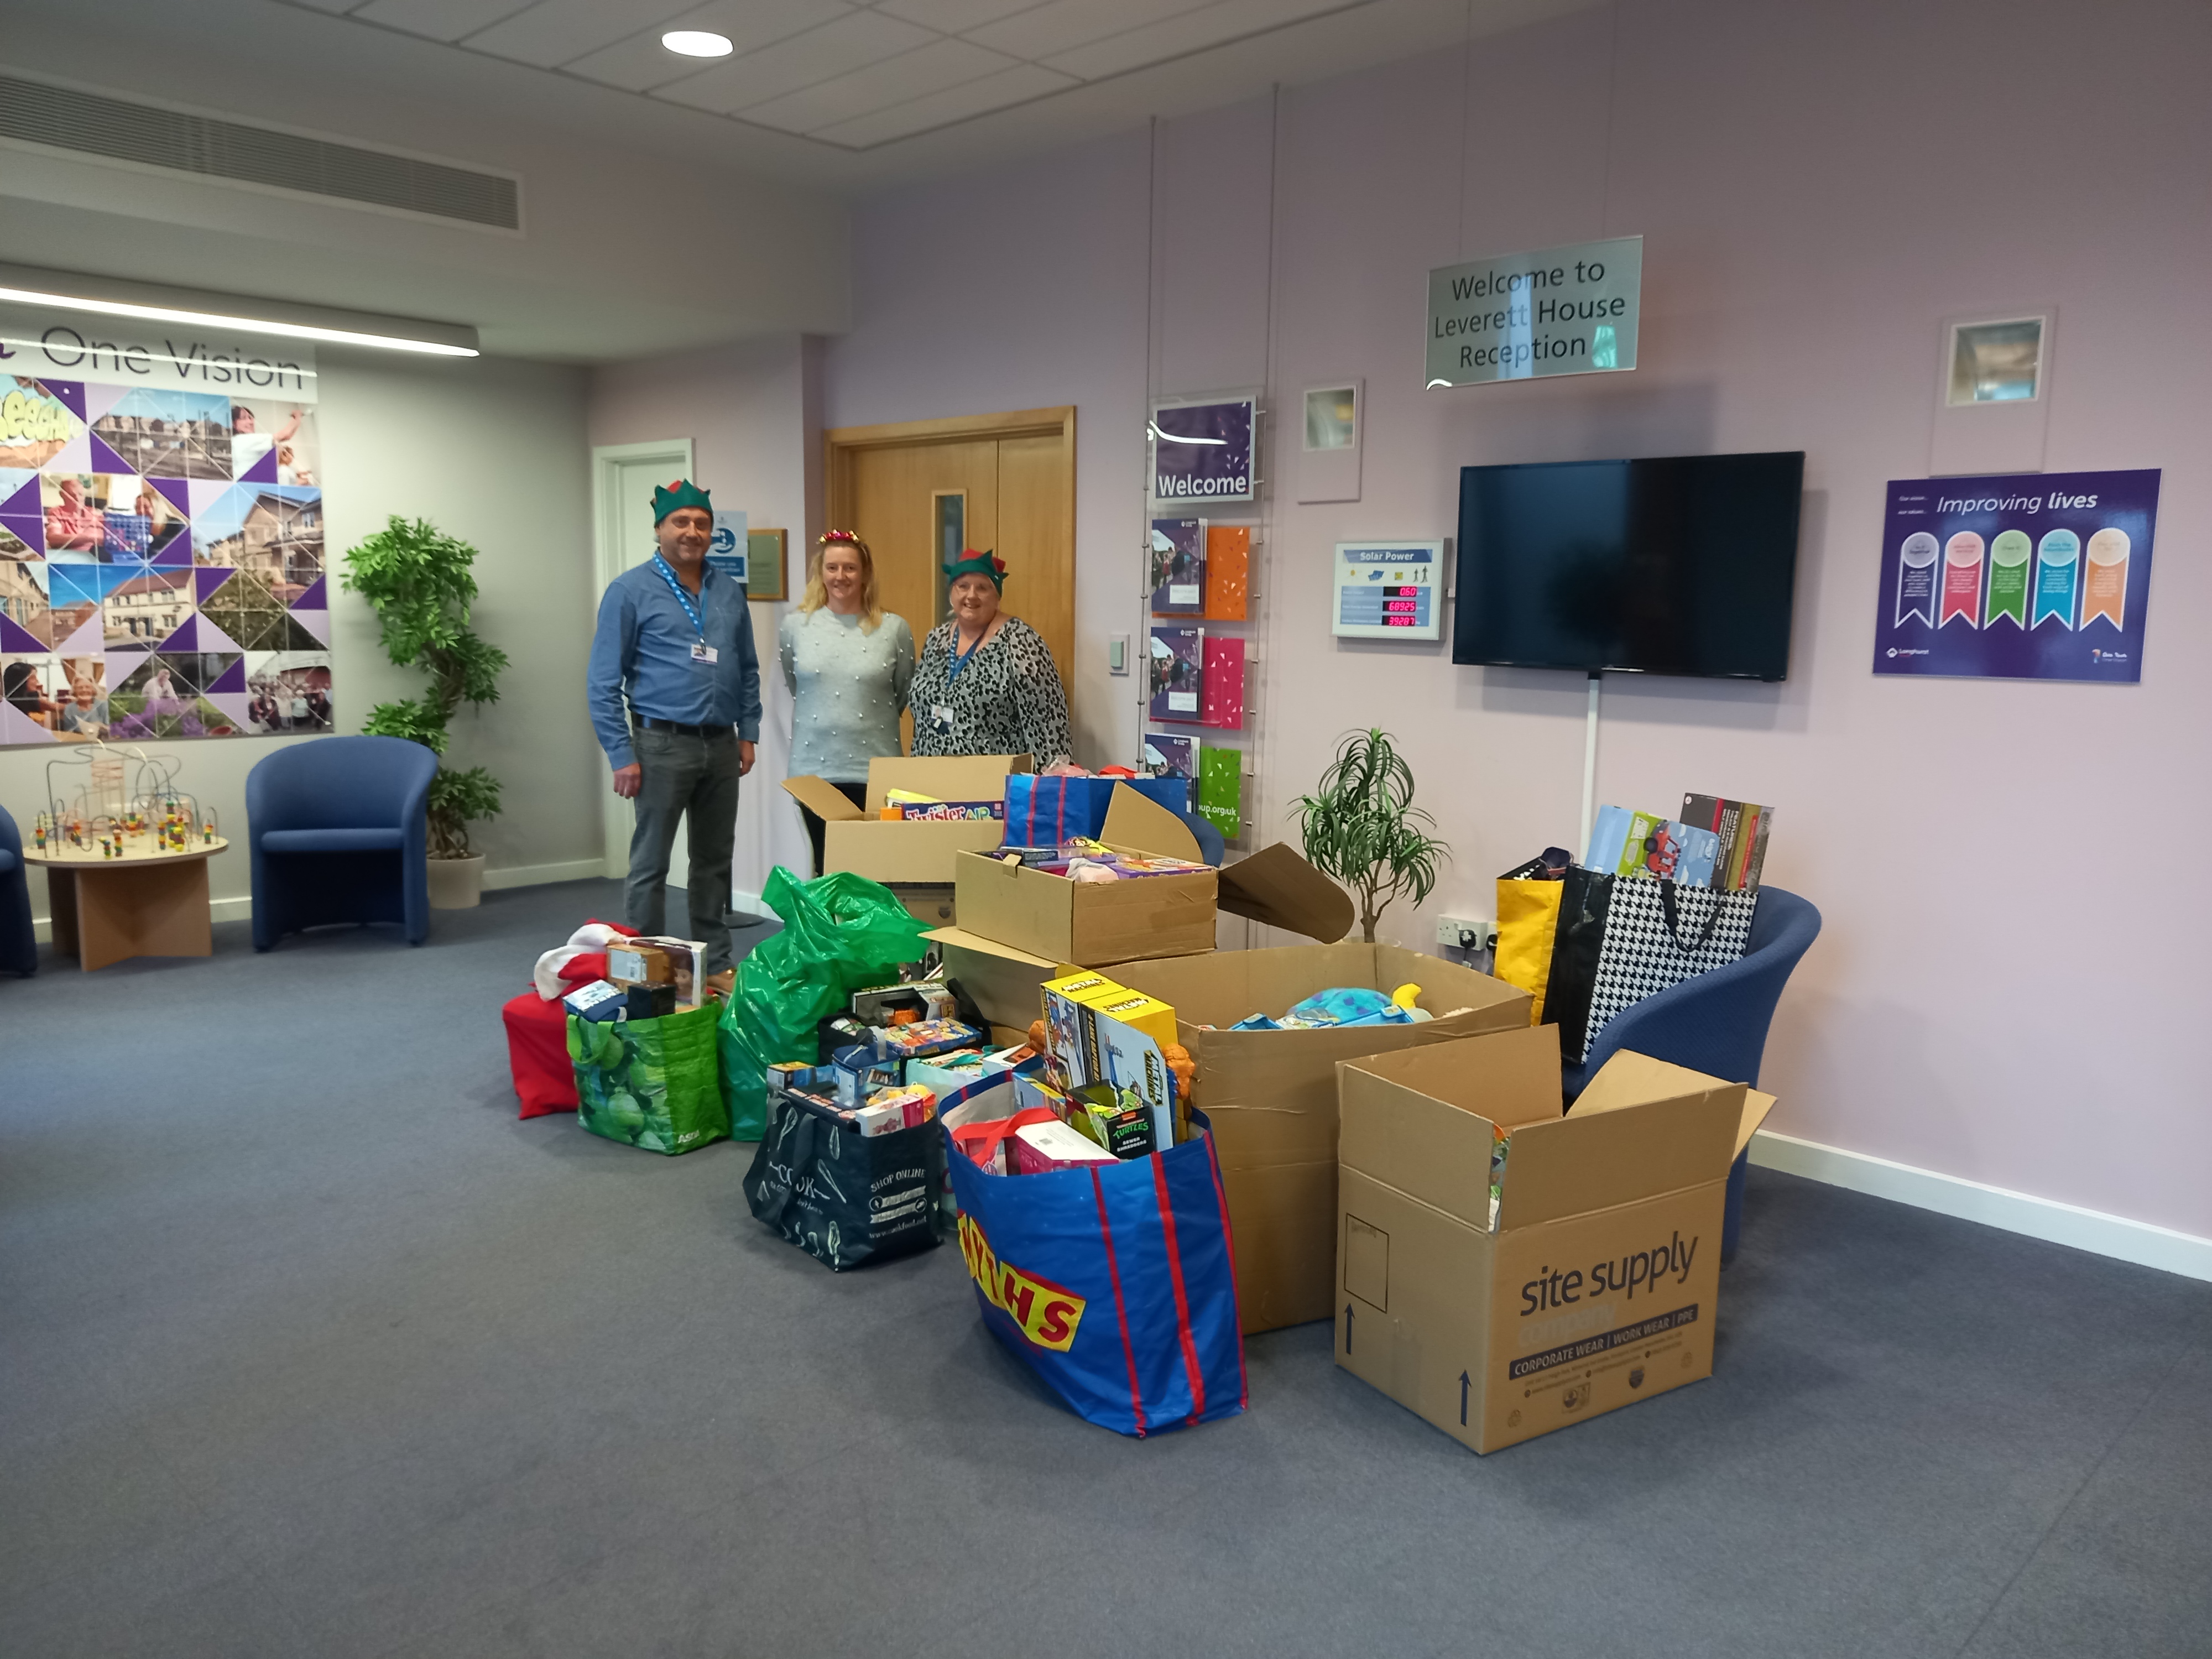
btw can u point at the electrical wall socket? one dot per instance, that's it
(1466, 932)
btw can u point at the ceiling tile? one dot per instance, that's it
(952, 16)
(865, 92)
(1062, 25)
(439, 20)
(341, 6)
(836, 48)
(554, 31)
(641, 63)
(1178, 37)
(1000, 91)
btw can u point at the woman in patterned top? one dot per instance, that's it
(986, 683)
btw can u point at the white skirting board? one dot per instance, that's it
(240, 908)
(2018, 1212)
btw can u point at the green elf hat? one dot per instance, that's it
(678, 493)
(972, 563)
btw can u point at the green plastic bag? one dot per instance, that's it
(652, 1083)
(840, 932)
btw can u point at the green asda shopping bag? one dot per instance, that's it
(652, 1083)
(840, 932)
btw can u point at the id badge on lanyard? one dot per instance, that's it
(940, 718)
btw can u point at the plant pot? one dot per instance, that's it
(456, 884)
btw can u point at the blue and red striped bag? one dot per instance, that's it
(1048, 811)
(1117, 1283)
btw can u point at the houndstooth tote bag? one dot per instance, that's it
(1658, 933)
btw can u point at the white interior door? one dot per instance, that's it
(622, 480)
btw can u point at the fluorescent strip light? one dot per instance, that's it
(245, 324)
(697, 43)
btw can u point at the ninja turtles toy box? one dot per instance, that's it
(1504, 1270)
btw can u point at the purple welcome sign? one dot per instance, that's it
(1203, 451)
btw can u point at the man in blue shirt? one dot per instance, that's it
(675, 638)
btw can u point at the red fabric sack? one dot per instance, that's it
(538, 1054)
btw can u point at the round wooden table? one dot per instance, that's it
(143, 902)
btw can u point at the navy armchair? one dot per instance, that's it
(338, 833)
(19, 945)
(1716, 1023)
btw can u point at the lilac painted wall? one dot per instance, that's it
(2006, 989)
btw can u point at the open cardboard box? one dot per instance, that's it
(1273, 1095)
(908, 854)
(1593, 1284)
(1095, 925)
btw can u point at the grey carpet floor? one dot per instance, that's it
(307, 1346)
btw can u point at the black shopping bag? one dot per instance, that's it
(842, 1197)
(1622, 938)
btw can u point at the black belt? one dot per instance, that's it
(655, 723)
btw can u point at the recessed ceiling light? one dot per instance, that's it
(697, 43)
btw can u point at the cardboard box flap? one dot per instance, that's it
(948, 777)
(991, 947)
(1756, 1106)
(1634, 1079)
(1600, 1160)
(823, 798)
(1275, 885)
(1136, 823)
(1420, 1120)
(1508, 1078)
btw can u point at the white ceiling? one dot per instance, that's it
(853, 76)
(615, 139)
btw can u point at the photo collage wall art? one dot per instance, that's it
(161, 564)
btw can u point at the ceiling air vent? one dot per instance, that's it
(95, 123)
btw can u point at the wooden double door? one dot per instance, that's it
(919, 491)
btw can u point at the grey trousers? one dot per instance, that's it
(695, 779)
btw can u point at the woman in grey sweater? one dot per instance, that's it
(849, 667)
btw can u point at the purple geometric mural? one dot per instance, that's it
(71, 395)
(206, 580)
(105, 459)
(232, 678)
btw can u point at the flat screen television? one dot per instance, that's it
(1685, 565)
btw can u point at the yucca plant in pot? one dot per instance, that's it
(417, 581)
(1360, 826)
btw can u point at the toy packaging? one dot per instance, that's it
(907, 1004)
(1102, 1033)
(600, 1000)
(859, 1071)
(924, 1038)
(1041, 1148)
(944, 1073)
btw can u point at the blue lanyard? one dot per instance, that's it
(698, 621)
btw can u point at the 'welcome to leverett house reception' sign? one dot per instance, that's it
(1557, 311)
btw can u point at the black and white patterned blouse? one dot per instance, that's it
(1006, 700)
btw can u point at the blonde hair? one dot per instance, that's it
(818, 592)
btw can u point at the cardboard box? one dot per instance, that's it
(1271, 1095)
(1003, 983)
(905, 852)
(1096, 924)
(1591, 1287)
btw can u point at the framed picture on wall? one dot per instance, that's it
(766, 574)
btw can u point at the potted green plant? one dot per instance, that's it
(1361, 827)
(417, 581)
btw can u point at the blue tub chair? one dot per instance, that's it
(1716, 1023)
(19, 945)
(338, 834)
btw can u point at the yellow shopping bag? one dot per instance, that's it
(1527, 924)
